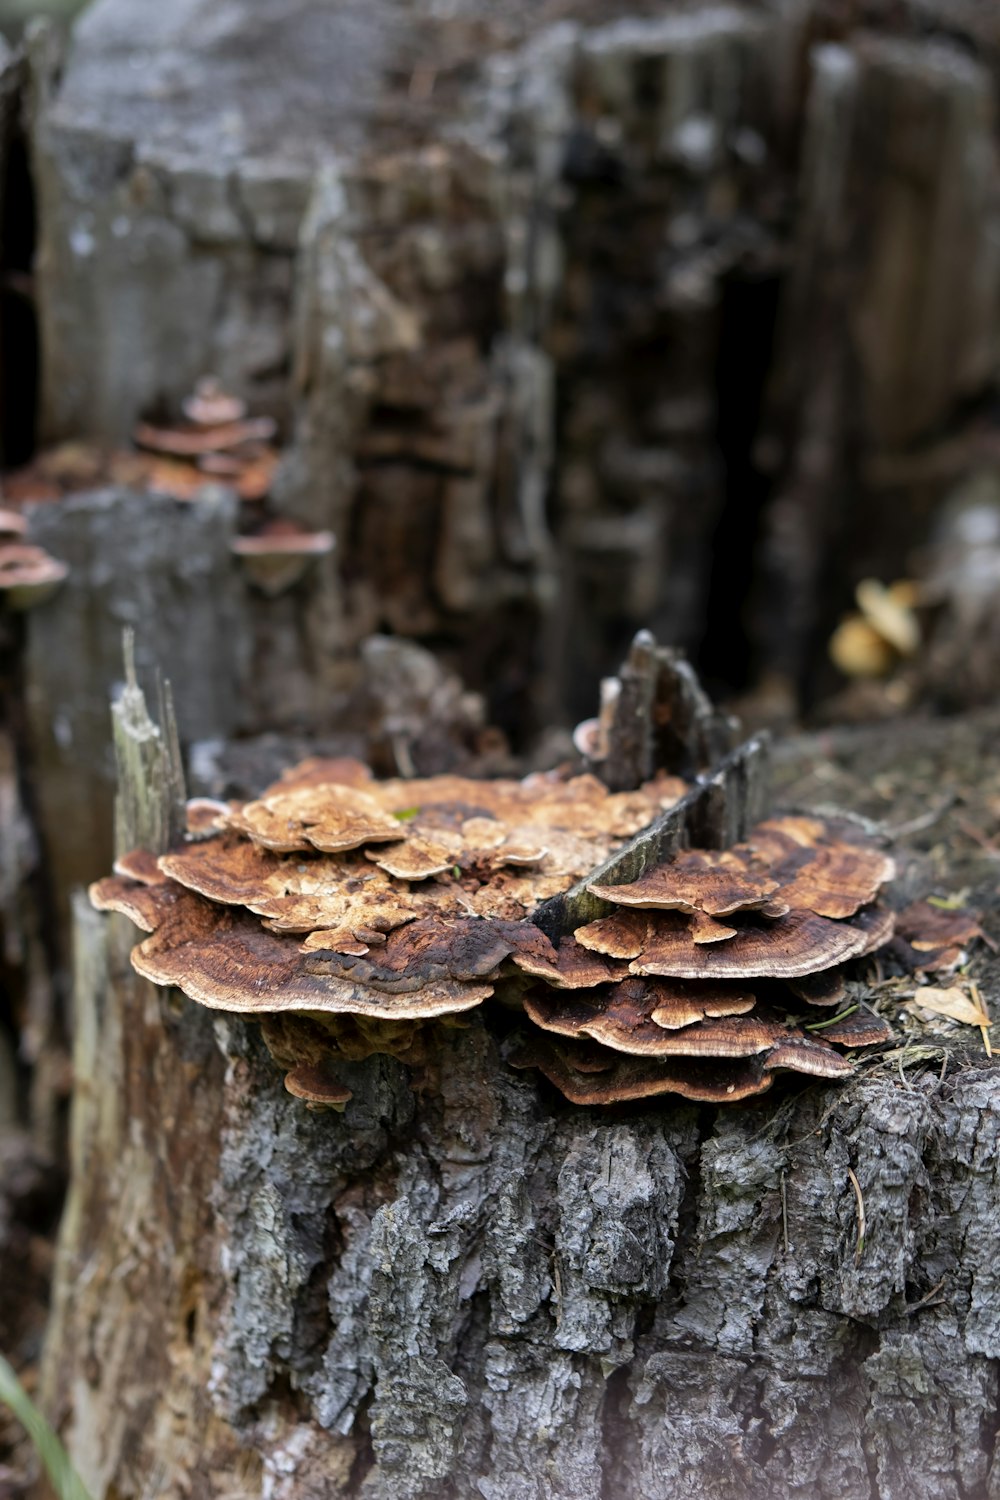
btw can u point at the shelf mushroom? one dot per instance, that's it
(28, 575)
(373, 910)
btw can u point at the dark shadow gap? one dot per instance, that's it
(726, 658)
(19, 343)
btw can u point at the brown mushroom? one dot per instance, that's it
(139, 864)
(204, 816)
(280, 553)
(828, 987)
(572, 968)
(718, 884)
(223, 958)
(804, 1055)
(622, 1018)
(330, 818)
(570, 1067)
(417, 858)
(861, 1028)
(211, 406)
(316, 1084)
(322, 770)
(28, 575)
(192, 442)
(830, 875)
(431, 950)
(145, 904)
(333, 897)
(12, 525)
(799, 943)
(930, 938)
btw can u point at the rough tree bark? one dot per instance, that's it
(504, 257)
(477, 1290)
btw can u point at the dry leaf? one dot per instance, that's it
(953, 1003)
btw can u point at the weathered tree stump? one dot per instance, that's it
(476, 1289)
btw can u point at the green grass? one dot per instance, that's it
(65, 1480)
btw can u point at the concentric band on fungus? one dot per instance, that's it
(395, 903)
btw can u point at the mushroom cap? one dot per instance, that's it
(419, 858)
(933, 937)
(828, 987)
(211, 406)
(316, 1084)
(793, 945)
(587, 1073)
(580, 806)
(337, 893)
(413, 957)
(139, 864)
(192, 442)
(12, 524)
(283, 538)
(572, 968)
(825, 868)
(280, 553)
(716, 883)
(621, 1018)
(145, 904)
(806, 1055)
(204, 816)
(28, 575)
(786, 863)
(223, 958)
(322, 770)
(570, 1067)
(860, 1029)
(705, 929)
(330, 818)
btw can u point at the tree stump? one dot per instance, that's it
(476, 1290)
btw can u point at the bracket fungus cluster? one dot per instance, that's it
(349, 915)
(714, 961)
(215, 443)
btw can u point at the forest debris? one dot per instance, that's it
(859, 1248)
(955, 1004)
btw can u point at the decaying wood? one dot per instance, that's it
(479, 1290)
(513, 262)
(164, 568)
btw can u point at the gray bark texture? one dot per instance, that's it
(466, 1287)
(570, 313)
